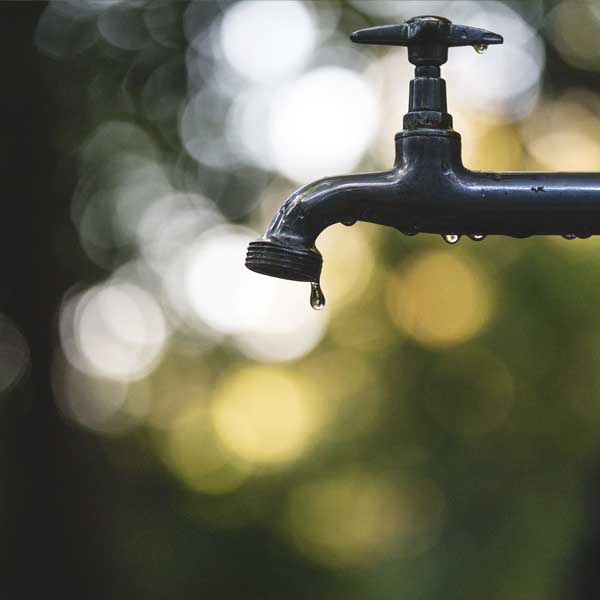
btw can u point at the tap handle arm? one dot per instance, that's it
(427, 38)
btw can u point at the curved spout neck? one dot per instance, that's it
(391, 198)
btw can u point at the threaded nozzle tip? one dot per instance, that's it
(276, 260)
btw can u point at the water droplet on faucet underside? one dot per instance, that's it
(480, 48)
(451, 238)
(317, 298)
(477, 237)
(569, 236)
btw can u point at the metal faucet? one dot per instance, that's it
(428, 190)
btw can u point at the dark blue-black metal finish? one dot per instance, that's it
(428, 190)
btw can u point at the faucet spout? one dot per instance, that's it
(426, 168)
(430, 191)
(287, 249)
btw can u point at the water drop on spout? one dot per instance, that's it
(480, 48)
(477, 237)
(569, 236)
(317, 298)
(451, 238)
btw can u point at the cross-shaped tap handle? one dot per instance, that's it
(427, 38)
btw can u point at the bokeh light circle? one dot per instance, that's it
(201, 129)
(573, 28)
(116, 330)
(97, 403)
(196, 454)
(322, 123)
(358, 518)
(439, 298)
(265, 416)
(266, 40)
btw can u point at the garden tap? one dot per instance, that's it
(428, 190)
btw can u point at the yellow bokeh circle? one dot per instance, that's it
(265, 415)
(439, 298)
(357, 519)
(196, 455)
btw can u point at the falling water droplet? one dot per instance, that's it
(317, 298)
(480, 48)
(451, 238)
(569, 236)
(477, 237)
